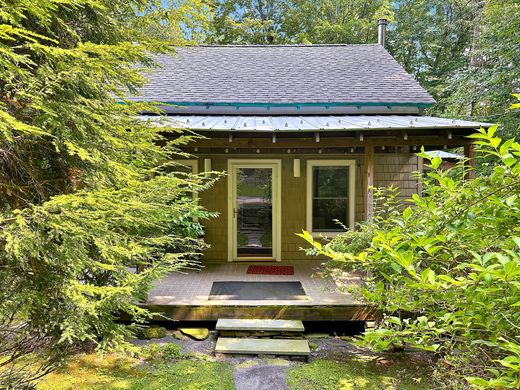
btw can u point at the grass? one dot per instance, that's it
(91, 371)
(164, 367)
(267, 239)
(359, 373)
(242, 240)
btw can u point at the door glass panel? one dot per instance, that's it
(254, 212)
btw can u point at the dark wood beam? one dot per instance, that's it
(469, 166)
(369, 178)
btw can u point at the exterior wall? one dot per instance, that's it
(389, 169)
(397, 170)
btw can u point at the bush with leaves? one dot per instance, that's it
(445, 272)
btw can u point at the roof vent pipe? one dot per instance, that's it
(381, 31)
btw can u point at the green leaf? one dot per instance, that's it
(428, 276)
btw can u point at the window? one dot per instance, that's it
(330, 195)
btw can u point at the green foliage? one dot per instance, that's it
(365, 372)
(171, 351)
(465, 53)
(151, 332)
(483, 88)
(297, 21)
(246, 22)
(114, 371)
(339, 21)
(160, 353)
(445, 272)
(85, 196)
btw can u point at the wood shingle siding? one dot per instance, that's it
(390, 169)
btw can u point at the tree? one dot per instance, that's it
(483, 89)
(344, 21)
(445, 272)
(296, 21)
(465, 53)
(247, 22)
(86, 197)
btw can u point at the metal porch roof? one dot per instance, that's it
(310, 123)
(444, 155)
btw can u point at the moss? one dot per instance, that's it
(313, 346)
(121, 372)
(247, 364)
(176, 334)
(277, 362)
(196, 333)
(358, 374)
(152, 332)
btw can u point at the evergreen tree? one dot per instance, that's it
(85, 193)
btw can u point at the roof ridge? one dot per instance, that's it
(284, 45)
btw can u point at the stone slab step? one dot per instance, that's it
(260, 325)
(227, 345)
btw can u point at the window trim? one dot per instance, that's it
(351, 164)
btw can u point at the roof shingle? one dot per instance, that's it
(282, 74)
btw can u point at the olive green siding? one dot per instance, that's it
(389, 169)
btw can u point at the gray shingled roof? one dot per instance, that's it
(284, 74)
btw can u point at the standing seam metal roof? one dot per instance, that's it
(282, 74)
(310, 123)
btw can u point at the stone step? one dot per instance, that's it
(225, 324)
(261, 334)
(237, 346)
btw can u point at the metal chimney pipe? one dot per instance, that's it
(381, 31)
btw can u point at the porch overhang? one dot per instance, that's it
(325, 134)
(311, 123)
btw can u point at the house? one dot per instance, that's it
(304, 132)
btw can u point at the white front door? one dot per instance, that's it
(254, 197)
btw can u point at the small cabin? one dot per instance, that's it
(303, 132)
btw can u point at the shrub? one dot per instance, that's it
(445, 272)
(171, 351)
(157, 353)
(152, 332)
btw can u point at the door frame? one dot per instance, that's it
(276, 165)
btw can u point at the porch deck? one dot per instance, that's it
(184, 296)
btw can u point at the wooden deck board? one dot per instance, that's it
(184, 296)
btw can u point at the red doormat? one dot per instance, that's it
(270, 269)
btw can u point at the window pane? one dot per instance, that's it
(326, 211)
(330, 182)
